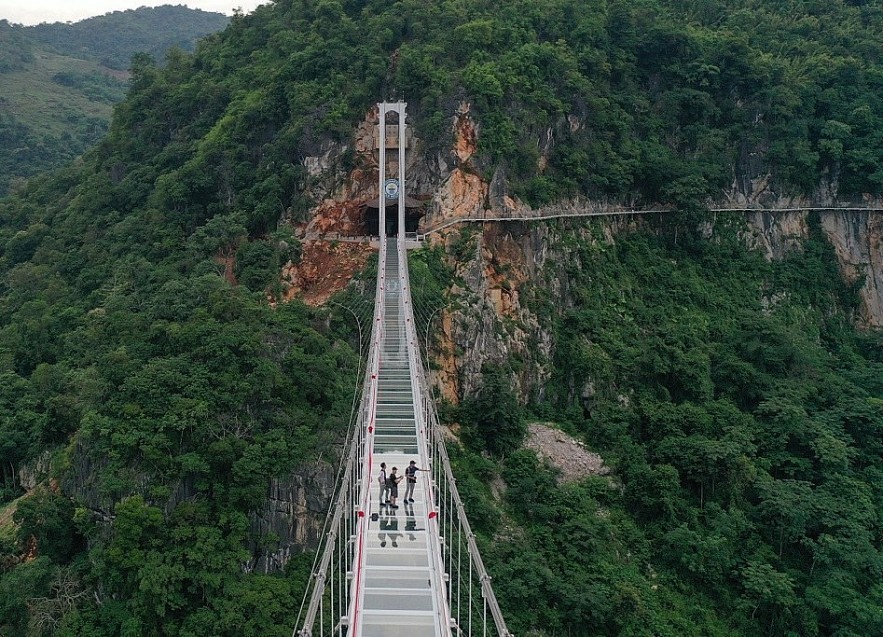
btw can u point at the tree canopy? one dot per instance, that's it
(734, 399)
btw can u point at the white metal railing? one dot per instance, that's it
(362, 506)
(426, 456)
(329, 591)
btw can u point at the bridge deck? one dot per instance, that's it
(400, 581)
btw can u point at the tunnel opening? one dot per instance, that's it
(371, 217)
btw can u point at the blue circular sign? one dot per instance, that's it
(391, 188)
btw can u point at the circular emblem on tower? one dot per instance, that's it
(391, 188)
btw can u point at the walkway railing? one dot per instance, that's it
(470, 594)
(328, 600)
(595, 209)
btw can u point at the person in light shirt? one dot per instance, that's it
(411, 480)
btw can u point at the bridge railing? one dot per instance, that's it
(328, 597)
(469, 594)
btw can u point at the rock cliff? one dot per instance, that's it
(857, 237)
(288, 521)
(492, 324)
(500, 262)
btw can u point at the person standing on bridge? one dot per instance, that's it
(384, 487)
(411, 476)
(393, 483)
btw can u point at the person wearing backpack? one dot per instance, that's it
(384, 487)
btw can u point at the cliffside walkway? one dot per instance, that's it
(595, 209)
(413, 569)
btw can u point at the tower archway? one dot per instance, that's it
(413, 214)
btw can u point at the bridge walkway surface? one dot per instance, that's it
(411, 570)
(401, 577)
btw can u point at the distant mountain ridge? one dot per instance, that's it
(112, 38)
(59, 81)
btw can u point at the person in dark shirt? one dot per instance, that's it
(384, 488)
(393, 483)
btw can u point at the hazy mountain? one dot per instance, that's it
(58, 82)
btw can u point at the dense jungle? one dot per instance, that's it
(154, 385)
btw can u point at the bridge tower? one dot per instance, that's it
(391, 175)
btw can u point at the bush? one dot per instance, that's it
(493, 416)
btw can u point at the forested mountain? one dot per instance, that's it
(150, 380)
(111, 39)
(60, 81)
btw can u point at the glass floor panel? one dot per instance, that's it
(389, 578)
(401, 557)
(392, 448)
(394, 428)
(398, 599)
(395, 626)
(389, 438)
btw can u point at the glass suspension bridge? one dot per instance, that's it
(414, 570)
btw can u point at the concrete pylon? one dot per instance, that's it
(382, 143)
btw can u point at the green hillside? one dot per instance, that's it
(60, 81)
(744, 436)
(111, 39)
(737, 404)
(52, 110)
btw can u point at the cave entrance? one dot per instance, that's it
(413, 214)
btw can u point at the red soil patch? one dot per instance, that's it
(343, 218)
(326, 268)
(228, 260)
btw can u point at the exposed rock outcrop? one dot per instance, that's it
(287, 522)
(492, 324)
(30, 474)
(857, 237)
(503, 260)
(290, 519)
(776, 234)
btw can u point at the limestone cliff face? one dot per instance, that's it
(492, 324)
(290, 520)
(287, 522)
(505, 260)
(857, 237)
(30, 474)
(776, 234)
(506, 265)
